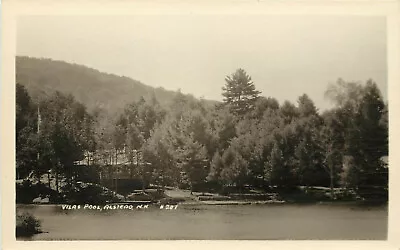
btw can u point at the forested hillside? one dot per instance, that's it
(91, 87)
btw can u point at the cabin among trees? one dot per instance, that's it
(116, 172)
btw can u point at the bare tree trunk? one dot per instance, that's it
(141, 170)
(116, 185)
(116, 156)
(331, 177)
(48, 178)
(111, 176)
(116, 165)
(57, 180)
(70, 170)
(163, 181)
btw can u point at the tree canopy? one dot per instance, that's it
(248, 140)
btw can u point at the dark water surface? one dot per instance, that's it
(208, 222)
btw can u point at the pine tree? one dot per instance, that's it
(365, 137)
(240, 93)
(306, 106)
(216, 167)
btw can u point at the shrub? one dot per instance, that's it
(91, 193)
(26, 191)
(27, 225)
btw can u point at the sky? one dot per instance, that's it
(286, 56)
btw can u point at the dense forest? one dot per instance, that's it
(97, 90)
(248, 140)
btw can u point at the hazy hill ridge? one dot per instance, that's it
(95, 89)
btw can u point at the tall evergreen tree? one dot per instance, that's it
(235, 171)
(289, 112)
(239, 92)
(26, 133)
(216, 167)
(306, 106)
(365, 135)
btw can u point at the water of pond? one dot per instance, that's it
(208, 222)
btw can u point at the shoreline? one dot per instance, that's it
(174, 196)
(233, 203)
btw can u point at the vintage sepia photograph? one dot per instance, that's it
(201, 127)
